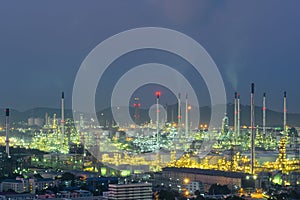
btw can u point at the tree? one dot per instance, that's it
(167, 195)
(10, 191)
(218, 189)
(234, 198)
(200, 198)
(294, 194)
(198, 195)
(68, 176)
(38, 176)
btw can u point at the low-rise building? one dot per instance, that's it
(185, 176)
(13, 196)
(130, 191)
(194, 186)
(74, 194)
(37, 184)
(18, 185)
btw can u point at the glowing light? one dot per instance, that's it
(187, 193)
(157, 94)
(186, 181)
(277, 180)
(125, 173)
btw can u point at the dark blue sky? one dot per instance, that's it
(42, 43)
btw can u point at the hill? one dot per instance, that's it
(273, 118)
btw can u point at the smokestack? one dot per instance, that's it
(186, 117)
(264, 116)
(166, 117)
(284, 112)
(179, 116)
(238, 116)
(235, 114)
(46, 119)
(252, 130)
(172, 114)
(136, 106)
(63, 115)
(157, 115)
(7, 131)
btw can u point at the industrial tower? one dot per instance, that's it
(136, 106)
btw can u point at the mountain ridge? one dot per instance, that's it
(274, 118)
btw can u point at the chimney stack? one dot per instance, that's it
(235, 115)
(238, 116)
(186, 117)
(63, 115)
(264, 116)
(284, 113)
(7, 131)
(179, 116)
(252, 130)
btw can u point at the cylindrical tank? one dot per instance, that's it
(38, 122)
(30, 121)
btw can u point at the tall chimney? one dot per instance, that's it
(235, 115)
(186, 117)
(172, 114)
(264, 117)
(7, 132)
(179, 116)
(157, 115)
(46, 119)
(63, 115)
(166, 117)
(252, 130)
(284, 112)
(238, 116)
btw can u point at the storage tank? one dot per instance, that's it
(30, 121)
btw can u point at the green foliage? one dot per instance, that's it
(68, 177)
(218, 189)
(166, 195)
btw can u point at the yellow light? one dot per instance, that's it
(187, 193)
(186, 181)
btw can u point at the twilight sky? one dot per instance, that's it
(43, 43)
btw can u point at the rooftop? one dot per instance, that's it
(206, 172)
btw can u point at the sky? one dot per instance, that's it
(43, 43)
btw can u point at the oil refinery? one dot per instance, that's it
(153, 146)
